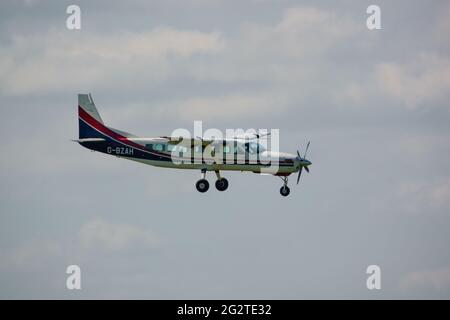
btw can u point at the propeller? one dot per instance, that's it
(299, 174)
(302, 159)
(306, 150)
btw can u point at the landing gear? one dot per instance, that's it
(222, 184)
(284, 190)
(202, 185)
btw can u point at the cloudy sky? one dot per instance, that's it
(375, 105)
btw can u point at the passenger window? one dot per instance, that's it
(171, 147)
(158, 147)
(251, 148)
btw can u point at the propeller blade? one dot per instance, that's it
(301, 159)
(306, 150)
(299, 174)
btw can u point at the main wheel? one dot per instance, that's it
(202, 185)
(285, 191)
(222, 184)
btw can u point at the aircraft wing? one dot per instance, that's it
(193, 141)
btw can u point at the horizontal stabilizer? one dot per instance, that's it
(89, 140)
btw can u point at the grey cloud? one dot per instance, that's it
(91, 61)
(436, 282)
(115, 237)
(374, 105)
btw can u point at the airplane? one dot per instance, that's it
(241, 153)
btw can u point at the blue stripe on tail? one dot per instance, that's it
(86, 131)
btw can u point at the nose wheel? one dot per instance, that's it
(284, 190)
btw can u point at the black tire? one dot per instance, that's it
(284, 191)
(202, 185)
(222, 184)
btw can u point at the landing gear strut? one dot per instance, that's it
(221, 183)
(202, 185)
(284, 190)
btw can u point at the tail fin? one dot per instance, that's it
(86, 104)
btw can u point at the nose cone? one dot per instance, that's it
(302, 162)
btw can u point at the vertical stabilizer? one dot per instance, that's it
(86, 106)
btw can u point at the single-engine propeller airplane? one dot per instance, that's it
(238, 154)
